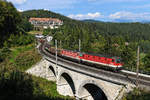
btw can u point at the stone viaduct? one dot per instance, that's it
(80, 81)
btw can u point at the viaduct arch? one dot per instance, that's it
(66, 83)
(51, 73)
(90, 90)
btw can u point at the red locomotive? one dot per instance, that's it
(99, 61)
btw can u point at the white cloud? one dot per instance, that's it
(122, 15)
(20, 10)
(86, 16)
(130, 16)
(17, 1)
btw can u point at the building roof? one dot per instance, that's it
(44, 19)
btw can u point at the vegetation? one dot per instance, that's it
(4, 52)
(9, 15)
(12, 25)
(23, 58)
(27, 59)
(35, 32)
(46, 90)
(14, 81)
(15, 84)
(137, 94)
(18, 85)
(19, 40)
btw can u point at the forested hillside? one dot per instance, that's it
(8, 14)
(114, 39)
(12, 26)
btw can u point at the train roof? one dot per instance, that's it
(101, 55)
(94, 54)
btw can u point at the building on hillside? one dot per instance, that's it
(44, 23)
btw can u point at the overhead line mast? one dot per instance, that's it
(79, 45)
(56, 57)
(138, 63)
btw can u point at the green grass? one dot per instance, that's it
(35, 32)
(22, 57)
(47, 88)
(26, 59)
(16, 51)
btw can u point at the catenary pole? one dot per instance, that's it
(138, 63)
(79, 45)
(56, 55)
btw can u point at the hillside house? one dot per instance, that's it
(44, 23)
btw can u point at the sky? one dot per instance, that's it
(103, 10)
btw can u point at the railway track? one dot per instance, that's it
(134, 74)
(141, 77)
(143, 80)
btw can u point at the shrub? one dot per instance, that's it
(15, 85)
(19, 40)
(138, 94)
(4, 53)
(27, 59)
